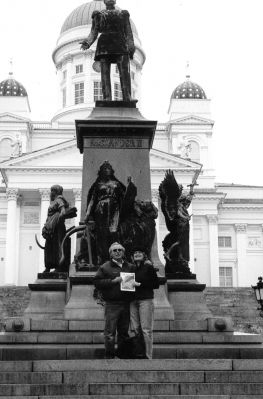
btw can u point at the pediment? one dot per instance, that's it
(191, 120)
(61, 155)
(163, 160)
(9, 117)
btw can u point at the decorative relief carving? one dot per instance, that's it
(116, 142)
(12, 194)
(44, 194)
(212, 219)
(241, 228)
(77, 194)
(254, 242)
(31, 218)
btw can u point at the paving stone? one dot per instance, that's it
(89, 325)
(98, 338)
(221, 389)
(161, 325)
(119, 364)
(134, 389)
(65, 338)
(49, 325)
(231, 338)
(31, 378)
(92, 376)
(234, 376)
(248, 364)
(209, 352)
(43, 389)
(18, 337)
(91, 352)
(138, 397)
(16, 366)
(186, 325)
(31, 353)
(177, 337)
(255, 352)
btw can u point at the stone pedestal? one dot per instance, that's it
(187, 299)
(48, 299)
(118, 133)
(81, 304)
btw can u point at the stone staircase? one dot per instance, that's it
(159, 378)
(63, 358)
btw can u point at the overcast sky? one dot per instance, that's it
(222, 39)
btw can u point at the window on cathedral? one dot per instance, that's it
(79, 68)
(194, 151)
(5, 149)
(116, 69)
(64, 97)
(79, 93)
(117, 92)
(97, 91)
(225, 277)
(225, 242)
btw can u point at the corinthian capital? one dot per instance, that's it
(44, 194)
(212, 219)
(241, 228)
(12, 194)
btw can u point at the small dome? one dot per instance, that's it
(188, 90)
(11, 87)
(82, 16)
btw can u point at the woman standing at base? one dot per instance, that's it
(142, 308)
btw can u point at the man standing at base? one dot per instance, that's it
(117, 302)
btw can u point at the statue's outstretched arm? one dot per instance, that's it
(85, 44)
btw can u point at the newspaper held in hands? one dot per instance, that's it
(128, 280)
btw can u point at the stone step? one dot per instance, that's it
(98, 338)
(96, 351)
(160, 376)
(130, 365)
(132, 389)
(133, 397)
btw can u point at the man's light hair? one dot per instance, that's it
(115, 244)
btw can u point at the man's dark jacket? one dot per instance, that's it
(147, 276)
(103, 281)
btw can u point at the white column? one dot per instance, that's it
(11, 235)
(45, 201)
(213, 250)
(77, 196)
(191, 241)
(241, 237)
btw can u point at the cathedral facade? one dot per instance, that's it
(227, 219)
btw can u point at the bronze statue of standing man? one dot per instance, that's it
(115, 46)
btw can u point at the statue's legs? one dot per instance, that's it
(123, 63)
(105, 79)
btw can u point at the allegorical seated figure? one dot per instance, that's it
(174, 205)
(54, 231)
(115, 45)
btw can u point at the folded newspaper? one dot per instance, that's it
(128, 280)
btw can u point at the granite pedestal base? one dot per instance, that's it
(48, 299)
(82, 305)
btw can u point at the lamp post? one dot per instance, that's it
(258, 289)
